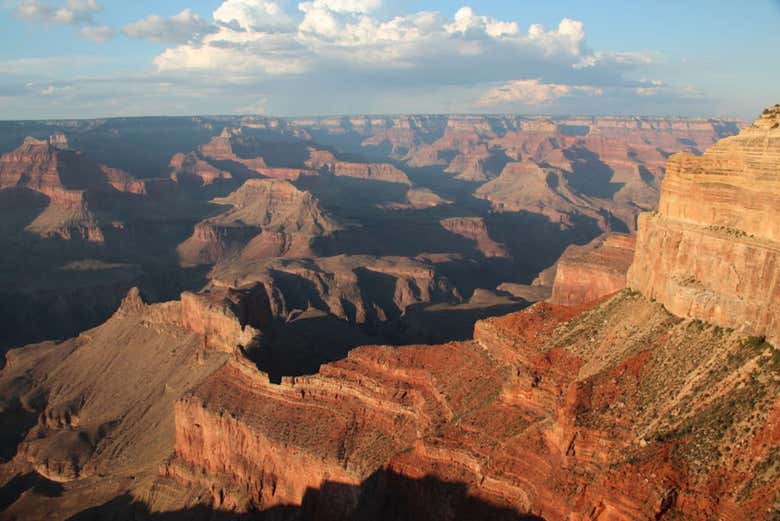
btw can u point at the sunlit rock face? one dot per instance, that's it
(609, 407)
(264, 218)
(712, 251)
(585, 274)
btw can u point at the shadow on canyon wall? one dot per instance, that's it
(299, 347)
(384, 496)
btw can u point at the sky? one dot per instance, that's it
(104, 58)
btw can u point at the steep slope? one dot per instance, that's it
(383, 172)
(357, 288)
(536, 414)
(712, 251)
(98, 408)
(68, 179)
(587, 273)
(268, 218)
(193, 169)
(231, 148)
(474, 228)
(622, 411)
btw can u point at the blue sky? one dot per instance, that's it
(97, 58)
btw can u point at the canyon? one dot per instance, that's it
(149, 202)
(417, 317)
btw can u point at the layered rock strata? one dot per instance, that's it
(585, 274)
(474, 228)
(712, 251)
(542, 413)
(267, 218)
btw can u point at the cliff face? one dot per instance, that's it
(231, 147)
(585, 274)
(580, 418)
(193, 169)
(615, 410)
(226, 319)
(50, 167)
(94, 413)
(325, 161)
(267, 218)
(474, 228)
(360, 289)
(712, 251)
(67, 178)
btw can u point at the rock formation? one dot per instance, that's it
(325, 161)
(618, 410)
(232, 147)
(523, 423)
(474, 228)
(712, 251)
(66, 177)
(268, 218)
(587, 273)
(192, 168)
(358, 288)
(95, 411)
(226, 319)
(652, 403)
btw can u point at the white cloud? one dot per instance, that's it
(264, 39)
(52, 90)
(342, 6)
(97, 33)
(255, 108)
(466, 21)
(73, 12)
(181, 27)
(253, 15)
(534, 92)
(346, 56)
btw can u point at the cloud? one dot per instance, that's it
(179, 28)
(97, 33)
(342, 6)
(466, 21)
(52, 90)
(74, 12)
(253, 15)
(343, 34)
(255, 108)
(662, 91)
(346, 56)
(534, 92)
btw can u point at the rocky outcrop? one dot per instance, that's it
(474, 228)
(598, 429)
(525, 186)
(357, 288)
(588, 273)
(193, 169)
(95, 411)
(226, 319)
(232, 147)
(325, 161)
(712, 251)
(51, 168)
(268, 218)
(66, 177)
(421, 198)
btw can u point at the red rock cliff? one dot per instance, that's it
(712, 251)
(587, 274)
